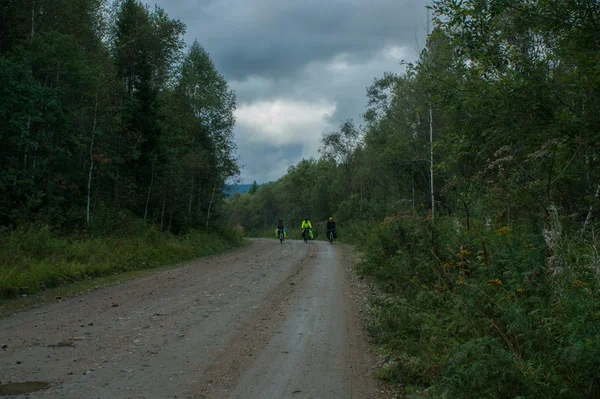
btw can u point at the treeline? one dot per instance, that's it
(472, 185)
(507, 90)
(105, 116)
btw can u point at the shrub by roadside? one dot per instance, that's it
(485, 312)
(35, 258)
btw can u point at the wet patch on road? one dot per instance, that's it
(63, 344)
(22, 388)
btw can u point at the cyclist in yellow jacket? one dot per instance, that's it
(306, 227)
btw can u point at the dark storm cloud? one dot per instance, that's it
(278, 38)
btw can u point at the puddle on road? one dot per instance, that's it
(21, 388)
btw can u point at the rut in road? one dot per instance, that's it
(268, 321)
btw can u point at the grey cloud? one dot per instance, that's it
(347, 91)
(276, 38)
(274, 49)
(266, 163)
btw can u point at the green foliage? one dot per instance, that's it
(101, 108)
(35, 257)
(478, 313)
(308, 190)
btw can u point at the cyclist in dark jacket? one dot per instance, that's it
(280, 228)
(331, 227)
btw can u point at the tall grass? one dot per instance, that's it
(490, 312)
(34, 258)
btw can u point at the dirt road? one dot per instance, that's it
(267, 321)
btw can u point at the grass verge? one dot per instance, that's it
(35, 259)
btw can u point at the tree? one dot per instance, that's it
(103, 110)
(254, 188)
(340, 145)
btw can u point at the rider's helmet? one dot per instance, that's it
(331, 218)
(281, 219)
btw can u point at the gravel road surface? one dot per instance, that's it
(269, 320)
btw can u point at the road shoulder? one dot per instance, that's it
(360, 293)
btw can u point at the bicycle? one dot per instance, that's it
(305, 235)
(281, 236)
(330, 236)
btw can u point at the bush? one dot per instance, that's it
(485, 312)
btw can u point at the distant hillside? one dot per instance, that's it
(237, 188)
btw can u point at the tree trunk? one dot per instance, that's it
(32, 19)
(170, 220)
(348, 168)
(35, 151)
(431, 139)
(191, 197)
(413, 191)
(467, 215)
(89, 194)
(199, 201)
(25, 147)
(212, 197)
(95, 202)
(117, 186)
(162, 216)
(361, 198)
(149, 192)
(431, 161)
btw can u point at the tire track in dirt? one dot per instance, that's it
(318, 351)
(263, 322)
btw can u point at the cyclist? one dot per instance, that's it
(306, 226)
(331, 227)
(280, 227)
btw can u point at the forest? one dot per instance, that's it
(111, 131)
(471, 186)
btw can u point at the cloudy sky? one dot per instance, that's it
(299, 67)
